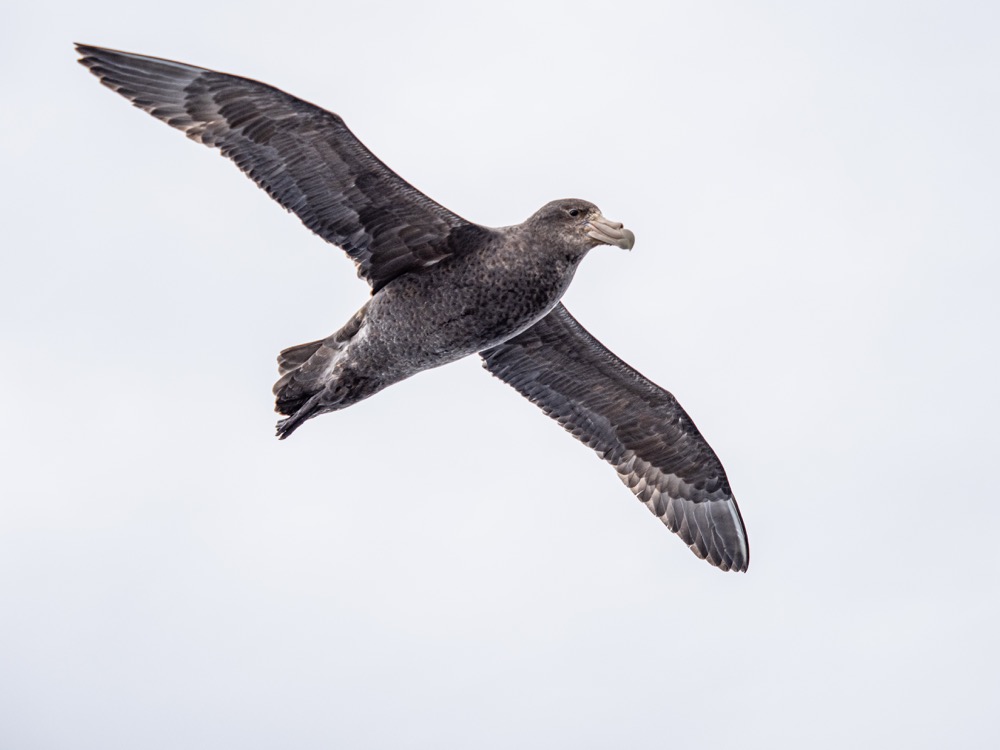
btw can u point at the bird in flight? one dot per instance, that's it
(444, 288)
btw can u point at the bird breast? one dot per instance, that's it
(459, 308)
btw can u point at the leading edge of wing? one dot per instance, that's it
(633, 424)
(303, 156)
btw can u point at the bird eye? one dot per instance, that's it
(574, 212)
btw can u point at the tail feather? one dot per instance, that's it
(307, 408)
(307, 373)
(296, 356)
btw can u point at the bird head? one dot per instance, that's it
(581, 224)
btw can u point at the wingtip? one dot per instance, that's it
(85, 50)
(89, 55)
(740, 567)
(740, 562)
(731, 565)
(727, 564)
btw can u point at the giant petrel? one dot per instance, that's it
(444, 288)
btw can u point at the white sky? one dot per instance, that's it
(814, 188)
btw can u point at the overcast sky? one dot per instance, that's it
(814, 188)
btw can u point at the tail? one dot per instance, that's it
(302, 369)
(287, 426)
(306, 372)
(296, 356)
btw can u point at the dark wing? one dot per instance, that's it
(303, 156)
(634, 425)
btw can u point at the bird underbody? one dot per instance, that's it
(444, 288)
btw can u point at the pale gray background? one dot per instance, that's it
(814, 188)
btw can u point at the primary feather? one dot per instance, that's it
(444, 288)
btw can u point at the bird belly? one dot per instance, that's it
(423, 325)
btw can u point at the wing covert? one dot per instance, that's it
(631, 423)
(303, 156)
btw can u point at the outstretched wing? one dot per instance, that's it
(303, 156)
(634, 425)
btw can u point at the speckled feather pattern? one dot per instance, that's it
(443, 288)
(426, 319)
